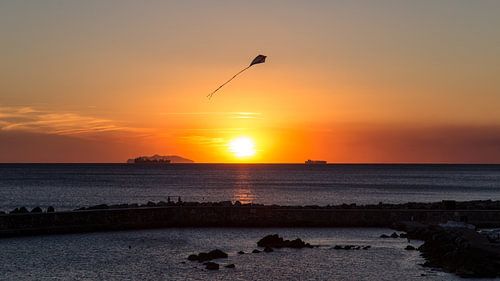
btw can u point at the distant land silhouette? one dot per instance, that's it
(160, 159)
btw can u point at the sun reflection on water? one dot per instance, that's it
(243, 190)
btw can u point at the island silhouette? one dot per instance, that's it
(159, 159)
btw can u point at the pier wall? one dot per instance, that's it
(229, 216)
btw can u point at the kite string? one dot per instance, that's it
(212, 93)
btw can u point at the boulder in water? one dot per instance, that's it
(268, 249)
(410, 248)
(275, 241)
(212, 266)
(202, 257)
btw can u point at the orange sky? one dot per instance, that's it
(103, 81)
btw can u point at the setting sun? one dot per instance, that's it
(242, 147)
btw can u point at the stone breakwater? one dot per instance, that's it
(227, 214)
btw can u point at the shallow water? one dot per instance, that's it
(70, 186)
(161, 255)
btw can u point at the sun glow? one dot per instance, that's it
(242, 147)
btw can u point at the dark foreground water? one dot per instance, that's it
(159, 255)
(71, 186)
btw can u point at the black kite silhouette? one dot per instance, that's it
(258, 59)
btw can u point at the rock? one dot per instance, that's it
(458, 250)
(275, 241)
(272, 241)
(384, 236)
(50, 209)
(212, 266)
(217, 254)
(241, 253)
(410, 248)
(202, 257)
(403, 235)
(37, 210)
(338, 247)
(268, 249)
(255, 251)
(230, 265)
(366, 247)
(394, 235)
(298, 244)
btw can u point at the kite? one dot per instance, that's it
(258, 59)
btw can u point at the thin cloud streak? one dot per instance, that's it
(230, 114)
(28, 119)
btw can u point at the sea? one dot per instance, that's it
(160, 254)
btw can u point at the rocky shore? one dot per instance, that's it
(458, 250)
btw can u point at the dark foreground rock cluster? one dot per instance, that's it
(212, 255)
(206, 258)
(275, 241)
(462, 251)
(268, 243)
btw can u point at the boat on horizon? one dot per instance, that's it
(315, 162)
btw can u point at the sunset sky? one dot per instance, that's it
(344, 81)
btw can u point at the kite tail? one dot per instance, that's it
(209, 96)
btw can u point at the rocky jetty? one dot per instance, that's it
(104, 217)
(275, 241)
(462, 251)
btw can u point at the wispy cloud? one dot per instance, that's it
(229, 114)
(59, 123)
(203, 140)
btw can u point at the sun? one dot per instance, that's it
(242, 147)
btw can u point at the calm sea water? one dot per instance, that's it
(161, 254)
(72, 186)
